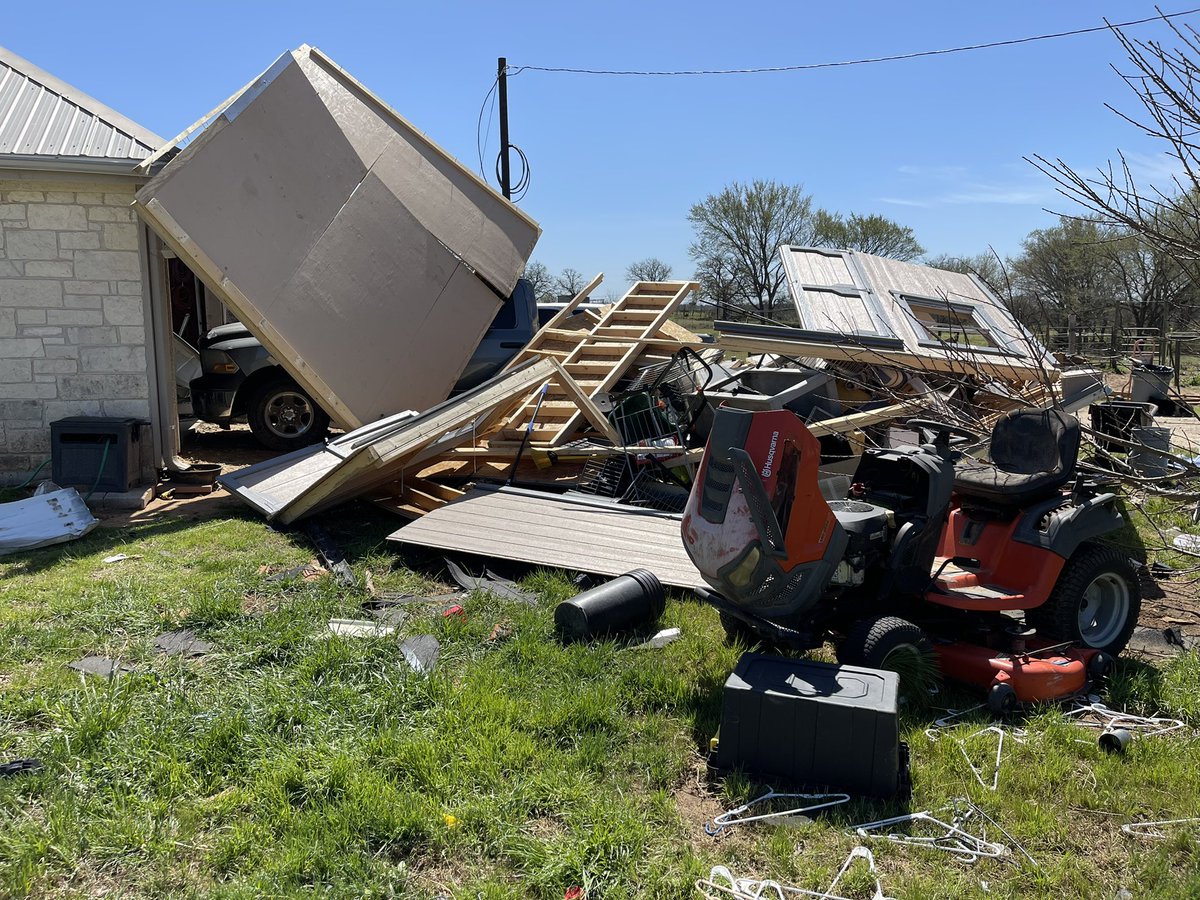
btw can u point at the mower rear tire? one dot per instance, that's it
(889, 642)
(1096, 602)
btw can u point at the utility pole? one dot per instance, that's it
(505, 175)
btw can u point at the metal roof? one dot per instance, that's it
(42, 118)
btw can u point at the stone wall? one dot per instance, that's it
(72, 319)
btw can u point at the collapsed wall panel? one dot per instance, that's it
(366, 259)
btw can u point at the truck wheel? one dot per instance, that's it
(283, 417)
(892, 643)
(1096, 602)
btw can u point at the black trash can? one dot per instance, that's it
(1118, 418)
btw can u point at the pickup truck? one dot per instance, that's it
(241, 378)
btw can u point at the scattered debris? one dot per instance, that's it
(739, 815)
(390, 612)
(181, 643)
(721, 880)
(1153, 829)
(659, 640)
(421, 652)
(1115, 741)
(44, 519)
(101, 666)
(999, 732)
(490, 583)
(120, 557)
(309, 571)
(359, 628)
(1095, 714)
(19, 767)
(331, 554)
(948, 837)
(500, 632)
(455, 611)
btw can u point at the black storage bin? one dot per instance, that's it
(1118, 418)
(813, 724)
(77, 447)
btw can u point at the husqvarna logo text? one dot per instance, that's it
(766, 469)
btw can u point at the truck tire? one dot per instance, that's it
(1096, 601)
(283, 417)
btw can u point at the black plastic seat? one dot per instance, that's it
(1033, 455)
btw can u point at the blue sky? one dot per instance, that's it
(934, 143)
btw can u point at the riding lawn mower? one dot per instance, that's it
(990, 568)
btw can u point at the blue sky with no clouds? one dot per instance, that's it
(935, 143)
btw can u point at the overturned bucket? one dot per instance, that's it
(630, 599)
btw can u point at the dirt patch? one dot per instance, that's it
(1170, 603)
(698, 805)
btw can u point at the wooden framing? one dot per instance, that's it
(601, 356)
(967, 364)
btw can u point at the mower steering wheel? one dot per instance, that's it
(942, 428)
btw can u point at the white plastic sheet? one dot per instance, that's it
(42, 520)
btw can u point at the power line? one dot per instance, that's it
(862, 62)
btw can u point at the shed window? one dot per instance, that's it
(953, 324)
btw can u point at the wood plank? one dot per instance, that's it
(584, 404)
(972, 365)
(559, 317)
(369, 457)
(843, 424)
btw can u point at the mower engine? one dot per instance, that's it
(869, 531)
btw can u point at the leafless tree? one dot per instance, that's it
(570, 281)
(649, 269)
(1166, 82)
(745, 224)
(539, 279)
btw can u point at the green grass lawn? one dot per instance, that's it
(289, 762)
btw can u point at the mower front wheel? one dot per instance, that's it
(739, 632)
(1096, 602)
(889, 642)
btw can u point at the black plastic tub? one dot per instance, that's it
(201, 473)
(628, 600)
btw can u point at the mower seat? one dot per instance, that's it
(1033, 455)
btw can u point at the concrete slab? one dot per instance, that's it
(135, 498)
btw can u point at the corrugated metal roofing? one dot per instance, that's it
(42, 116)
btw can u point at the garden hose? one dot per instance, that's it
(99, 471)
(28, 481)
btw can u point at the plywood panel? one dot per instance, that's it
(353, 247)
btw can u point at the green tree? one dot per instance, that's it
(873, 234)
(742, 227)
